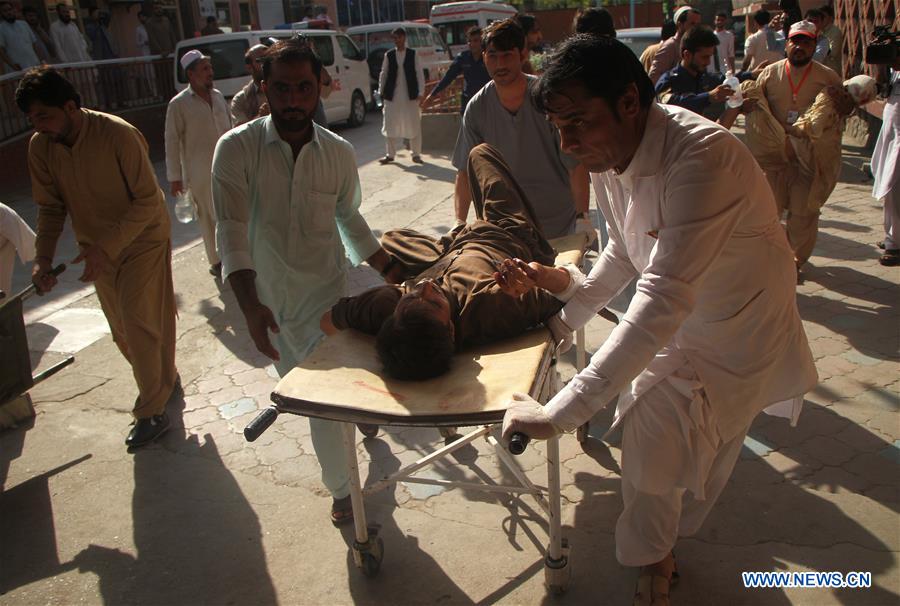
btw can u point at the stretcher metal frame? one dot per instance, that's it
(368, 548)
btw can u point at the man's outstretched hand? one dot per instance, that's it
(260, 321)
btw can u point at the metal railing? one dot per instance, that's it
(448, 100)
(112, 85)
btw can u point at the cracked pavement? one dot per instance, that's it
(204, 517)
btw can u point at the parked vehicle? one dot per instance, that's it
(375, 40)
(350, 94)
(638, 38)
(453, 19)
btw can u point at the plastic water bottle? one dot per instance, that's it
(184, 207)
(731, 81)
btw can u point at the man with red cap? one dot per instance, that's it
(790, 87)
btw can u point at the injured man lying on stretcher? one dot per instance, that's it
(470, 287)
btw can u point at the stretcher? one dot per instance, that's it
(341, 381)
(15, 361)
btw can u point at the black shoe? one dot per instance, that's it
(386, 160)
(147, 430)
(368, 430)
(418, 159)
(450, 434)
(216, 270)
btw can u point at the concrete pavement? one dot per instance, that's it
(204, 517)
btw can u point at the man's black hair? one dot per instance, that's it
(604, 66)
(413, 345)
(210, 19)
(813, 13)
(398, 31)
(827, 10)
(504, 35)
(762, 17)
(596, 21)
(699, 37)
(473, 31)
(295, 49)
(526, 22)
(722, 14)
(45, 85)
(667, 30)
(4, 2)
(25, 9)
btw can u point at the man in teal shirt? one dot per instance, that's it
(286, 194)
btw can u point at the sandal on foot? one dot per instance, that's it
(341, 511)
(651, 591)
(890, 258)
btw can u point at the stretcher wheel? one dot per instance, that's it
(558, 573)
(581, 434)
(368, 556)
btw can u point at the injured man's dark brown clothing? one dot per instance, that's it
(462, 263)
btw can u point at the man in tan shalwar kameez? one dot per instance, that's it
(804, 172)
(94, 168)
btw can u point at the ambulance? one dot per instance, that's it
(453, 19)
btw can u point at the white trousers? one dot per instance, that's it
(892, 218)
(674, 467)
(391, 143)
(206, 219)
(328, 442)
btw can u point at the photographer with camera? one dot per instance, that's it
(885, 51)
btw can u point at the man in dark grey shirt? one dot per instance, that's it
(503, 115)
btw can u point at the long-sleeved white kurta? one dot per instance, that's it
(193, 128)
(693, 216)
(71, 45)
(885, 164)
(15, 236)
(292, 221)
(402, 117)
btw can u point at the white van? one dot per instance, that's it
(376, 39)
(350, 93)
(453, 19)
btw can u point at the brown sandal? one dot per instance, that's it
(653, 590)
(341, 511)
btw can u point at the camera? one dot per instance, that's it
(884, 47)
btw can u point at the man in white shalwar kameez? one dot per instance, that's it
(402, 86)
(886, 169)
(712, 335)
(15, 237)
(195, 119)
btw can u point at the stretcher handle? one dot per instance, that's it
(517, 443)
(257, 426)
(32, 289)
